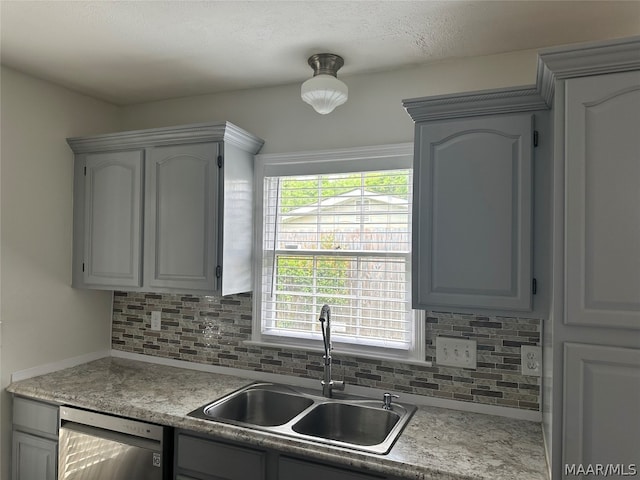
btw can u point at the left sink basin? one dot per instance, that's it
(265, 405)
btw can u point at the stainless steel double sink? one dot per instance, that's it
(344, 421)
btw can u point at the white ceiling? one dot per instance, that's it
(135, 51)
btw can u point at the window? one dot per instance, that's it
(336, 229)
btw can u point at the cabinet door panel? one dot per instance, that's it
(291, 469)
(603, 201)
(601, 405)
(219, 460)
(181, 217)
(113, 215)
(34, 458)
(472, 213)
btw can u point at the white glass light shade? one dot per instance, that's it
(324, 93)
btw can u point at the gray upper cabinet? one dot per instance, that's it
(472, 213)
(603, 200)
(112, 218)
(181, 217)
(168, 209)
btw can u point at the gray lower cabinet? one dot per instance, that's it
(168, 209)
(601, 405)
(203, 458)
(472, 213)
(34, 458)
(295, 469)
(34, 440)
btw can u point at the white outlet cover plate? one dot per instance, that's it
(531, 360)
(456, 352)
(156, 320)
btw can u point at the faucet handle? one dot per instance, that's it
(387, 399)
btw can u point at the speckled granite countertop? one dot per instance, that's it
(436, 444)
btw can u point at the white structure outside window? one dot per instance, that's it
(334, 227)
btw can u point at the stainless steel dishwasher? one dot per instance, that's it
(94, 446)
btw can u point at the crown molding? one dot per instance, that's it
(583, 59)
(470, 104)
(556, 63)
(200, 132)
(545, 83)
(592, 58)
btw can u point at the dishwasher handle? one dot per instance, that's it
(111, 423)
(70, 429)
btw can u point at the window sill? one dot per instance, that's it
(339, 352)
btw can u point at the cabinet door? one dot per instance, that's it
(181, 217)
(472, 213)
(603, 201)
(292, 469)
(219, 461)
(113, 216)
(601, 405)
(34, 458)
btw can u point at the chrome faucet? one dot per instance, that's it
(328, 385)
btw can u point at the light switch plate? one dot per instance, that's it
(156, 320)
(531, 360)
(456, 352)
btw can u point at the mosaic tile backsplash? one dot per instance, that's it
(496, 381)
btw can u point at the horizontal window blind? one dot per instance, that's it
(344, 240)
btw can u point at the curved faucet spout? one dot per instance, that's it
(328, 385)
(325, 313)
(325, 326)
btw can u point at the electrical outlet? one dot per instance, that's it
(156, 320)
(456, 352)
(531, 360)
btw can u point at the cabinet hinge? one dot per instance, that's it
(219, 161)
(534, 286)
(218, 271)
(535, 138)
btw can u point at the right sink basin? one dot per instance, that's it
(346, 421)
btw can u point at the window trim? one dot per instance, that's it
(383, 157)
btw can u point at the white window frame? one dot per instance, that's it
(384, 157)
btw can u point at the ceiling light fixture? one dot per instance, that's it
(324, 91)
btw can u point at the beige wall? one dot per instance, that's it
(373, 115)
(43, 319)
